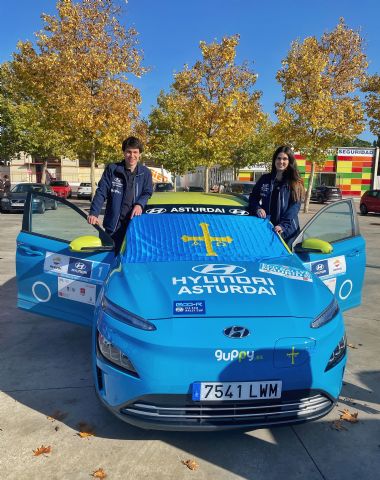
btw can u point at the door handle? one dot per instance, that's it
(30, 251)
(353, 253)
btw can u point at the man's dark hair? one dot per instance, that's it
(132, 142)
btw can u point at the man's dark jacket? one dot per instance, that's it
(287, 208)
(112, 189)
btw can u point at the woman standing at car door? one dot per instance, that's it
(278, 194)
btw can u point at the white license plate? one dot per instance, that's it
(233, 391)
(18, 204)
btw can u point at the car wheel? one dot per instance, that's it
(320, 199)
(363, 209)
(42, 208)
(54, 206)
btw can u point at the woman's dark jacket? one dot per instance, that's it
(112, 187)
(287, 208)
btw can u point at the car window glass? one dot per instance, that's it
(335, 223)
(53, 218)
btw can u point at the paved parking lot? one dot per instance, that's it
(45, 371)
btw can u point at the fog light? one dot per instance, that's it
(114, 355)
(338, 353)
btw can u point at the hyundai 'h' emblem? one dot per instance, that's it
(236, 332)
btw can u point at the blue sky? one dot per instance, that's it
(170, 31)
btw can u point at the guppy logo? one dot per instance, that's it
(235, 354)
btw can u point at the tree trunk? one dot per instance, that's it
(92, 175)
(44, 169)
(309, 187)
(207, 173)
(174, 177)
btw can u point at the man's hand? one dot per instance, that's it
(278, 229)
(261, 213)
(93, 220)
(136, 211)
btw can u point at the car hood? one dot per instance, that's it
(279, 287)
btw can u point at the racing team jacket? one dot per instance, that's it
(287, 208)
(112, 188)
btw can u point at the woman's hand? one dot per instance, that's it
(261, 213)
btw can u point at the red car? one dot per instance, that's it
(370, 202)
(61, 188)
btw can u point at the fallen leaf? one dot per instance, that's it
(351, 345)
(56, 428)
(348, 416)
(99, 473)
(42, 450)
(85, 434)
(57, 415)
(190, 464)
(337, 425)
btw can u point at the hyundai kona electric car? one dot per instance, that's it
(206, 319)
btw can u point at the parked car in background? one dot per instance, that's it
(14, 201)
(239, 188)
(370, 202)
(195, 189)
(61, 188)
(324, 193)
(163, 187)
(84, 190)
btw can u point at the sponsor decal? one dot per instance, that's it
(224, 284)
(189, 307)
(330, 267)
(330, 283)
(80, 268)
(264, 189)
(56, 263)
(236, 332)
(238, 211)
(240, 355)
(76, 291)
(285, 271)
(155, 211)
(197, 210)
(218, 269)
(41, 292)
(345, 289)
(208, 240)
(293, 354)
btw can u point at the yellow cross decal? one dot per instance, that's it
(208, 239)
(292, 354)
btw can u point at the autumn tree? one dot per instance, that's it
(79, 74)
(318, 79)
(372, 89)
(210, 109)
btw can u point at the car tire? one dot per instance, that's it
(54, 206)
(42, 208)
(363, 209)
(320, 199)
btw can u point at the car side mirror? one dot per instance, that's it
(86, 243)
(315, 245)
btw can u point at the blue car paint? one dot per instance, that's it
(182, 349)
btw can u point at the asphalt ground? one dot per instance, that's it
(45, 371)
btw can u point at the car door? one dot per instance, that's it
(54, 277)
(342, 270)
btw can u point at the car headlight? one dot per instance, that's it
(114, 355)
(338, 353)
(5, 200)
(327, 315)
(125, 316)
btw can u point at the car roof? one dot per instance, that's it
(195, 198)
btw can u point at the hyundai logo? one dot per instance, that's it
(238, 211)
(218, 269)
(80, 266)
(236, 332)
(155, 210)
(320, 266)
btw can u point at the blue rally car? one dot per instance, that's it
(206, 319)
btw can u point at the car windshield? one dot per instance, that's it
(27, 187)
(163, 187)
(58, 184)
(201, 237)
(85, 185)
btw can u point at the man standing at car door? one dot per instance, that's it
(127, 187)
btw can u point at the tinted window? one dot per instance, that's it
(59, 184)
(27, 187)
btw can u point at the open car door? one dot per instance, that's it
(330, 245)
(61, 260)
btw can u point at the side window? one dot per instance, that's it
(53, 218)
(333, 224)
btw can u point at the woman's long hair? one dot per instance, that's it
(291, 174)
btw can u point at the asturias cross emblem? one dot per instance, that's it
(208, 239)
(292, 354)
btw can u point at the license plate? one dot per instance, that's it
(233, 391)
(18, 204)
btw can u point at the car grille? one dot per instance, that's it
(175, 411)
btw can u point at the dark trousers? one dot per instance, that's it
(119, 234)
